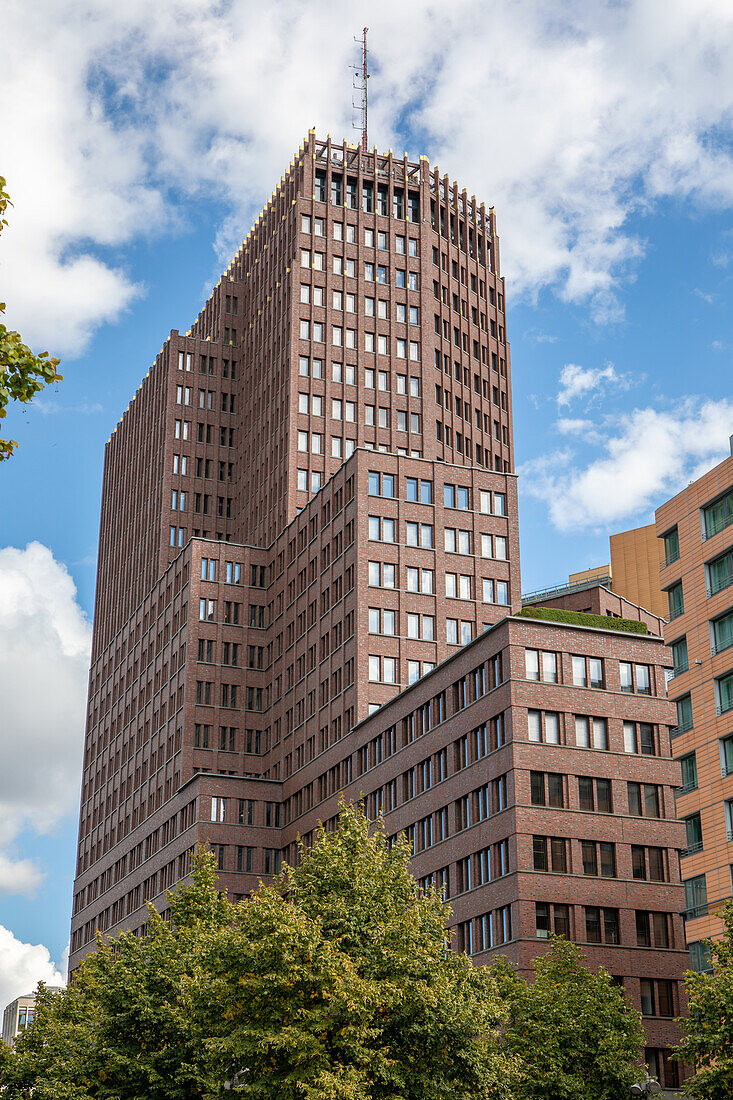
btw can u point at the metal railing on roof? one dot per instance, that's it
(560, 589)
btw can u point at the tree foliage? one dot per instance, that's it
(707, 1044)
(22, 372)
(335, 983)
(576, 1034)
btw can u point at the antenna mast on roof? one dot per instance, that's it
(360, 83)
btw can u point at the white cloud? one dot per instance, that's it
(24, 965)
(44, 663)
(651, 456)
(578, 382)
(567, 116)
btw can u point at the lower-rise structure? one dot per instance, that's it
(531, 770)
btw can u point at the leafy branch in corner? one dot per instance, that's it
(22, 373)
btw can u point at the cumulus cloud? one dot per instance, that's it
(579, 382)
(24, 965)
(569, 117)
(44, 662)
(650, 457)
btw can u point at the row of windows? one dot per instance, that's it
(205, 433)
(554, 854)
(587, 672)
(594, 794)
(372, 273)
(601, 925)
(346, 338)
(253, 742)
(468, 873)
(348, 196)
(317, 227)
(421, 491)
(206, 400)
(546, 726)
(257, 616)
(207, 364)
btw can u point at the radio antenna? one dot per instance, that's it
(360, 83)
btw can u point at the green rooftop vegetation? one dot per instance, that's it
(583, 618)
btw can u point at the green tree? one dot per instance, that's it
(707, 1044)
(577, 1036)
(22, 373)
(335, 983)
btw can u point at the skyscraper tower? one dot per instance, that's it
(307, 506)
(308, 584)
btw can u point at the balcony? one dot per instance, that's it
(683, 727)
(695, 912)
(692, 849)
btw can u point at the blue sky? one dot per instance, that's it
(140, 144)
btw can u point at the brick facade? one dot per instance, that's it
(309, 542)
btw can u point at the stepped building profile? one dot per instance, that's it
(309, 584)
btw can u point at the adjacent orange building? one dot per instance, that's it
(695, 531)
(635, 565)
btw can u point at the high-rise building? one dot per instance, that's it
(696, 532)
(308, 504)
(308, 572)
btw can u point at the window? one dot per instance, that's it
(688, 765)
(457, 542)
(599, 857)
(588, 672)
(418, 490)
(684, 714)
(647, 863)
(693, 833)
(671, 546)
(595, 794)
(676, 600)
(207, 610)
(419, 534)
(680, 660)
(456, 496)
(635, 678)
(717, 515)
(639, 738)
(381, 529)
(546, 789)
(643, 799)
(696, 897)
(549, 854)
(700, 960)
(551, 918)
(724, 693)
(591, 732)
(657, 997)
(383, 670)
(722, 633)
(541, 665)
(601, 925)
(543, 726)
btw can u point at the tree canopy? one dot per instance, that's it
(575, 1033)
(707, 1044)
(22, 372)
(335, 982)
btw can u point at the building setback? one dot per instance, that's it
(696, 531)
(309, 563)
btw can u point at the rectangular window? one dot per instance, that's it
(717, 515)
(676, 600)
